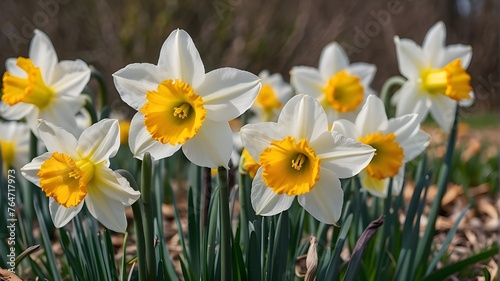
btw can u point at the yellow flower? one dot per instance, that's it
(14, 143)
(436, 75)
(300, 158)
(41, 87)
(339, 86)
(179, 105)
(396, 141)
(76, 171)
(272, 96)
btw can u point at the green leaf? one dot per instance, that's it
(446, 271)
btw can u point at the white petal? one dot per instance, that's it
(341, 155)
(211, 146)
(411, 101)
(179, 56)
(56, 139)
(398, 181)
(403, 127)
(11, 66)
(115, 186)
(304, 116)
(434, 42)
(346, 128)
(265, 201)
(307, 80)
(70, 77)
(107, 210)
(43, 54)
(140, 141)
(415, 145)
(100, 141)
(324, 202)
(374, 186)
(62, 111)
(457, 51)
(410, 58)
(365, 71)
(257, 137)
(228, 92)
(15, 112)
(30, 170)
(332, 60)
(61, 215)
(443, 111)
(372, 116)
(135, 80)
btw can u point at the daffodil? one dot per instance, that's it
(300, 158)
(179, 105)
(396, 140)
(14, 143)
(76, 171)
(41, 87)
(436, 75)
(339, 86)
(272, 96)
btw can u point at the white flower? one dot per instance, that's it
(436, 75)
(300, 158)
(272, 96)
(397, 141)
(41, 87)
(339, 86)
(180, 106)
(14, 141)
(76, 171)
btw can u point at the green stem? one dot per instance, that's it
(386, 92)
(103, 93)
(139, 234)
(243, 212)
(225, 223)
(444, 174)
(147, 215)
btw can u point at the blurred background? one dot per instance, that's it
(257, 35)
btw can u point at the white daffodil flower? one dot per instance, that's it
(272, 96)
(396, 140)
(76, 171)
(339, 86)
(179, 105)
(300, 158)
(41, 87)
(14, 143)
(436, 75)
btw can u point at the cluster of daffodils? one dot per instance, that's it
(295, 146)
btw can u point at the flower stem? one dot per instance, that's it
(225, 225)
(139, 234)
(442, 183)
(147, 215)
(386, 91)
(103, 93)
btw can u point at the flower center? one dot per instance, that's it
(249, 164)
(343, 91)
(29, 90)
(290, 167)
(268, 99)
(451, 80)
(388, 155)
(173, 113)
(7, 152)
(64, 179)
